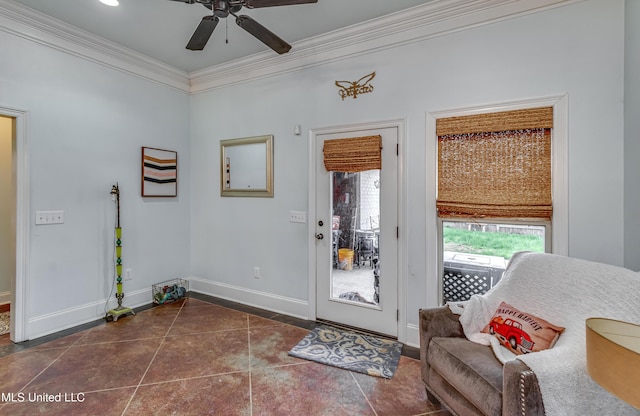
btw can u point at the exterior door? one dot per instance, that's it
(356, 239)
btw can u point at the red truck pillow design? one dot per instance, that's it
(522, 332)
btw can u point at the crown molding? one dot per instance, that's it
(29, 24)
(432, 19)
(411, 25)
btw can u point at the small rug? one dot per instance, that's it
(4, 323)
(350, 351)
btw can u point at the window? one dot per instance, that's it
(494, 195)
(475, 254)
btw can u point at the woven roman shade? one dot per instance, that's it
(355, 154)
(490, 166)
(532, 118)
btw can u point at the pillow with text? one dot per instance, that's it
(522, 332)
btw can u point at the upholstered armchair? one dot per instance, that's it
(470, 378)
(466, 377)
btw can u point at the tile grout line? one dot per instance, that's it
(162, 339)
(176, 380)
(76, 343)
(152, 360)
(363, 393)
(53, 362)
(250, 367)
(38, 375)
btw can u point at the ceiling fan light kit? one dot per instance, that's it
(221, 9)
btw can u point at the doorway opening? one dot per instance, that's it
(19, 219)
(7, 225)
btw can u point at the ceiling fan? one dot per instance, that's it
(224, 8)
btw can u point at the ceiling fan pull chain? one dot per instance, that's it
(226, 31)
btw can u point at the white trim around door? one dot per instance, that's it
(400, 124)
(20, 285)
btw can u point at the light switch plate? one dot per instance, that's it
(298, 216)
(49, 217)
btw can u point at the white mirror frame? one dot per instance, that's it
(260, 183)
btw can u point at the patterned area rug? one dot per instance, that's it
(4, 323)
(350, 351)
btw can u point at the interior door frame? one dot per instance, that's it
(400, 125)
(20, 170)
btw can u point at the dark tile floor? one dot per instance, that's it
(197, 356)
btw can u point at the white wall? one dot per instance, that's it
(7, 239)
(87, 124)
(632, 135)
(576, 49)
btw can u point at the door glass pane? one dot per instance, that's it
(476, 254)
(355, 236)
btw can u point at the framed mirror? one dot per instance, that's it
(246, 167)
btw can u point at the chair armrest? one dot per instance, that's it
(520, 390)
(436, 322)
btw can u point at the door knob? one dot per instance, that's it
(319, 236)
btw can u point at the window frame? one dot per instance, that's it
(548, 230)
(559, 169)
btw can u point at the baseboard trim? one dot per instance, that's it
(263, 300)
(68, 318)
(5, 298)
(62, 320)
(413, 335)
(274, 303)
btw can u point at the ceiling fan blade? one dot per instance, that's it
(202, 34)
(263, 34)
(254, 4)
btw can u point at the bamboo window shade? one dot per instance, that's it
(356, 154)
(495, 165)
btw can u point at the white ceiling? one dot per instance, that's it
(160, 29)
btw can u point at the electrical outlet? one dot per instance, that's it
(256, 272)
(298, 216)
(127, 274)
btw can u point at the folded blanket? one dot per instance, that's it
(564, 291)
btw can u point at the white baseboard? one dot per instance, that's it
(268, 301)
(275, 303)
(5, 297)
(413, 336)
(68, 318)
(58, 321)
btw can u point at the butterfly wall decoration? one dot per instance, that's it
(353, 89)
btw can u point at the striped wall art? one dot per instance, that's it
(159, 172)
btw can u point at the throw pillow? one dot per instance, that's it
(522, 332)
